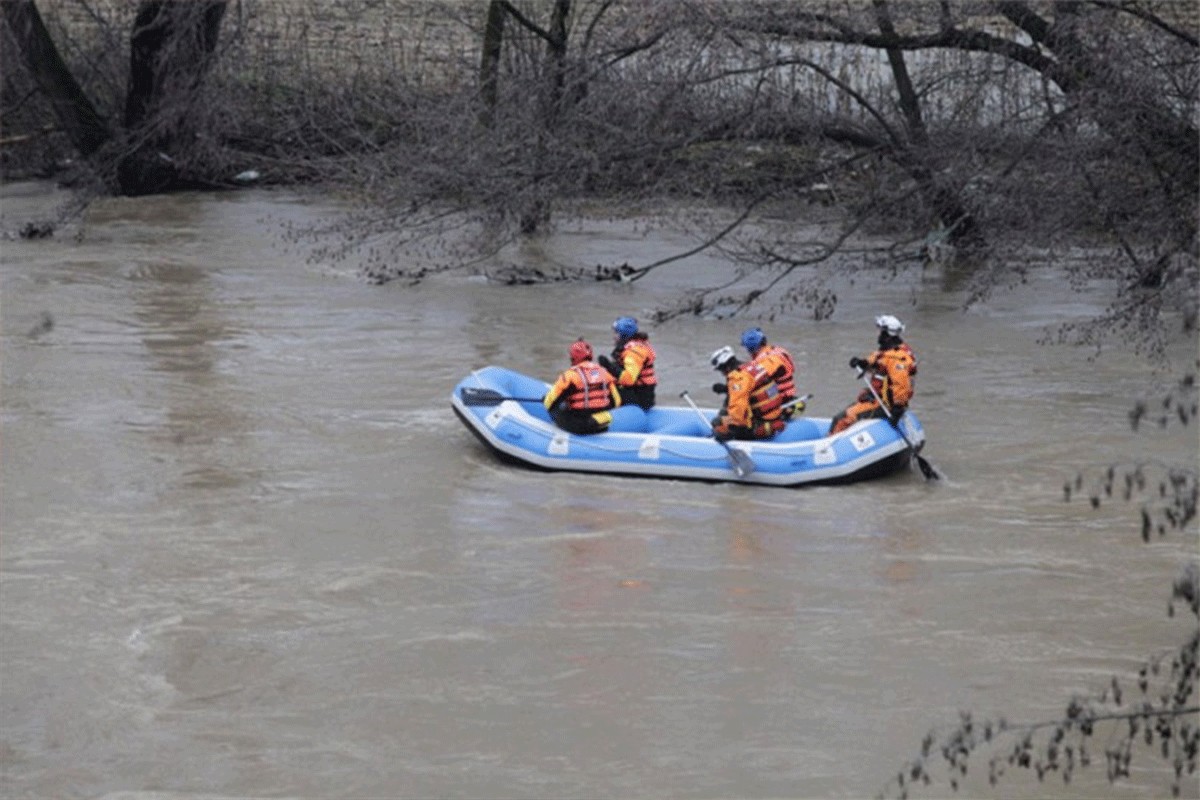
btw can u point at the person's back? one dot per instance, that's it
(581, 397)
(632, 364)
(895, 369)
(775, 360)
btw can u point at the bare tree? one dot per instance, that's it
(994, 127)
(555, 37)
(87, 130)
(548, 119)
(489, 67)
(171, 47)
(977, 135)
(1023, 124)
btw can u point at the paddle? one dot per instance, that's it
(926, 468)
(740, 462)
(475, 396)
(799, 401)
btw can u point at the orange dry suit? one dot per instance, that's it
(580, 399)
(753, 405)
(778, 362)
(633, 367)
(893, 372)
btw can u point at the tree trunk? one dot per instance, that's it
(171, 48)
(74, 110)
(556, 50)
(958, 221)
(536, 215)
(489, 62)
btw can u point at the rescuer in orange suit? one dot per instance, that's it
(580, 400)
(894, 369)
(775, 360)
(753, 404)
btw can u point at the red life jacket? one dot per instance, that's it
(590, 391)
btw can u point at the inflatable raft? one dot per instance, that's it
(503, 408)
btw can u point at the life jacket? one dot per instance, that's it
(894, 371)
(589, 387)
(724, 429)
(765, 430)
(765, 398)
(753, 396)
(779, 363)
(643, 355)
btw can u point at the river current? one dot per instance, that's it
(248, 550)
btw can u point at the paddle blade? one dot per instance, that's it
(474, 396)
(741, 462)
(927, 469)
(477, 396)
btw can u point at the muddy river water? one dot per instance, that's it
(248, 551)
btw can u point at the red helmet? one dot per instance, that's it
(580, 351)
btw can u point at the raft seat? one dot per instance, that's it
(685, 422)
(538, 411)
(628, 419)
(675, 422)
(802, 430)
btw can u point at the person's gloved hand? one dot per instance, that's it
(859, 363)
(720, 388)
(606, 362)
(721, 431)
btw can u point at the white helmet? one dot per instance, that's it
(720, 357)
(893, 326)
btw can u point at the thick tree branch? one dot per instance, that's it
(945, 38)
(1134, 9)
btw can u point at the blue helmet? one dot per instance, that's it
(753, 338)
(625, 326)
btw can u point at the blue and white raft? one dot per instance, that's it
(503, 408)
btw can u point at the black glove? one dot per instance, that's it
(720, 388)
(608, 365)
(859, 363)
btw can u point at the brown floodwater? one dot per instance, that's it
(247, 549)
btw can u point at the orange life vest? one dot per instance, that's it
(765, 397)
(894, 371)
(589, 387)
(779, 363)
(753, 396)
(641, 371)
